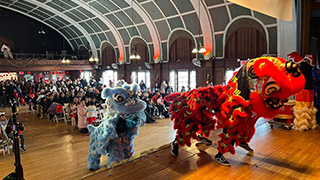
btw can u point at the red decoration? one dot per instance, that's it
(28, 72)
(94, 71)
(80, 70)
(21, 72)
(232, 107)
(8, 72)
(67, 72)
(49, 72)
(56, 72)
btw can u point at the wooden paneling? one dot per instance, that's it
(181, 49)
(108, 57)
(246, 43)
(305, 26)
(43, 65)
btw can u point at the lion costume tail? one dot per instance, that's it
(193, 112)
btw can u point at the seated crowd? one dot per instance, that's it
(82, 99)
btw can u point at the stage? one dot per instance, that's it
(55, 151)
(279, 154)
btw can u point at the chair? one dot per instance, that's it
(2, 148)
(62, 116)
(99, 117)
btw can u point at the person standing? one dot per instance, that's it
(82, 118)
(143, 86)
(6, 51)
(2, 95)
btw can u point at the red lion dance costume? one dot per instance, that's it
(257, 90)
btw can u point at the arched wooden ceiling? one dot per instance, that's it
(90, 22)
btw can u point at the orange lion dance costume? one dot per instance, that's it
(257, 90)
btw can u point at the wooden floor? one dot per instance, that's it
(54, 151)
(279, 154)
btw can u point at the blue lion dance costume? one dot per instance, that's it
(115, 135)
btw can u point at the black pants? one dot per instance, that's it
(84, 130)
(2, 101)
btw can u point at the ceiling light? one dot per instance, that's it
(194, 50)
(202, 50)
(132, 56)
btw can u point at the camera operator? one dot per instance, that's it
(10, 127)
(3, 125)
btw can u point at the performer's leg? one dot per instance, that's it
(93, 158)
(246, 146)
(23, 147)
(175, 148)
(221, 159)
(205, 140)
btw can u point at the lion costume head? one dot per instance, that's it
(267, 82)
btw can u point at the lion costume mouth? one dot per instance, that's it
(275, 103)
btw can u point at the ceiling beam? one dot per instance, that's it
(57, 30)
(113, 29)
(80, 28)
(152, 29)
(206, 25)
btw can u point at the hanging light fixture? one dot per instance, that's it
(134, 54)
(201, 48)
(41, 31)
(91, 59)
(65, 61)
(194, 50)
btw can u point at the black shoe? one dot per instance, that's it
(246, 146)
(23, 148)
(205, 140)
(174, 148)
(222, 160)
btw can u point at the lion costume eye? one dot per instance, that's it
(118, 98)
(270, 88)
(130, 92)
